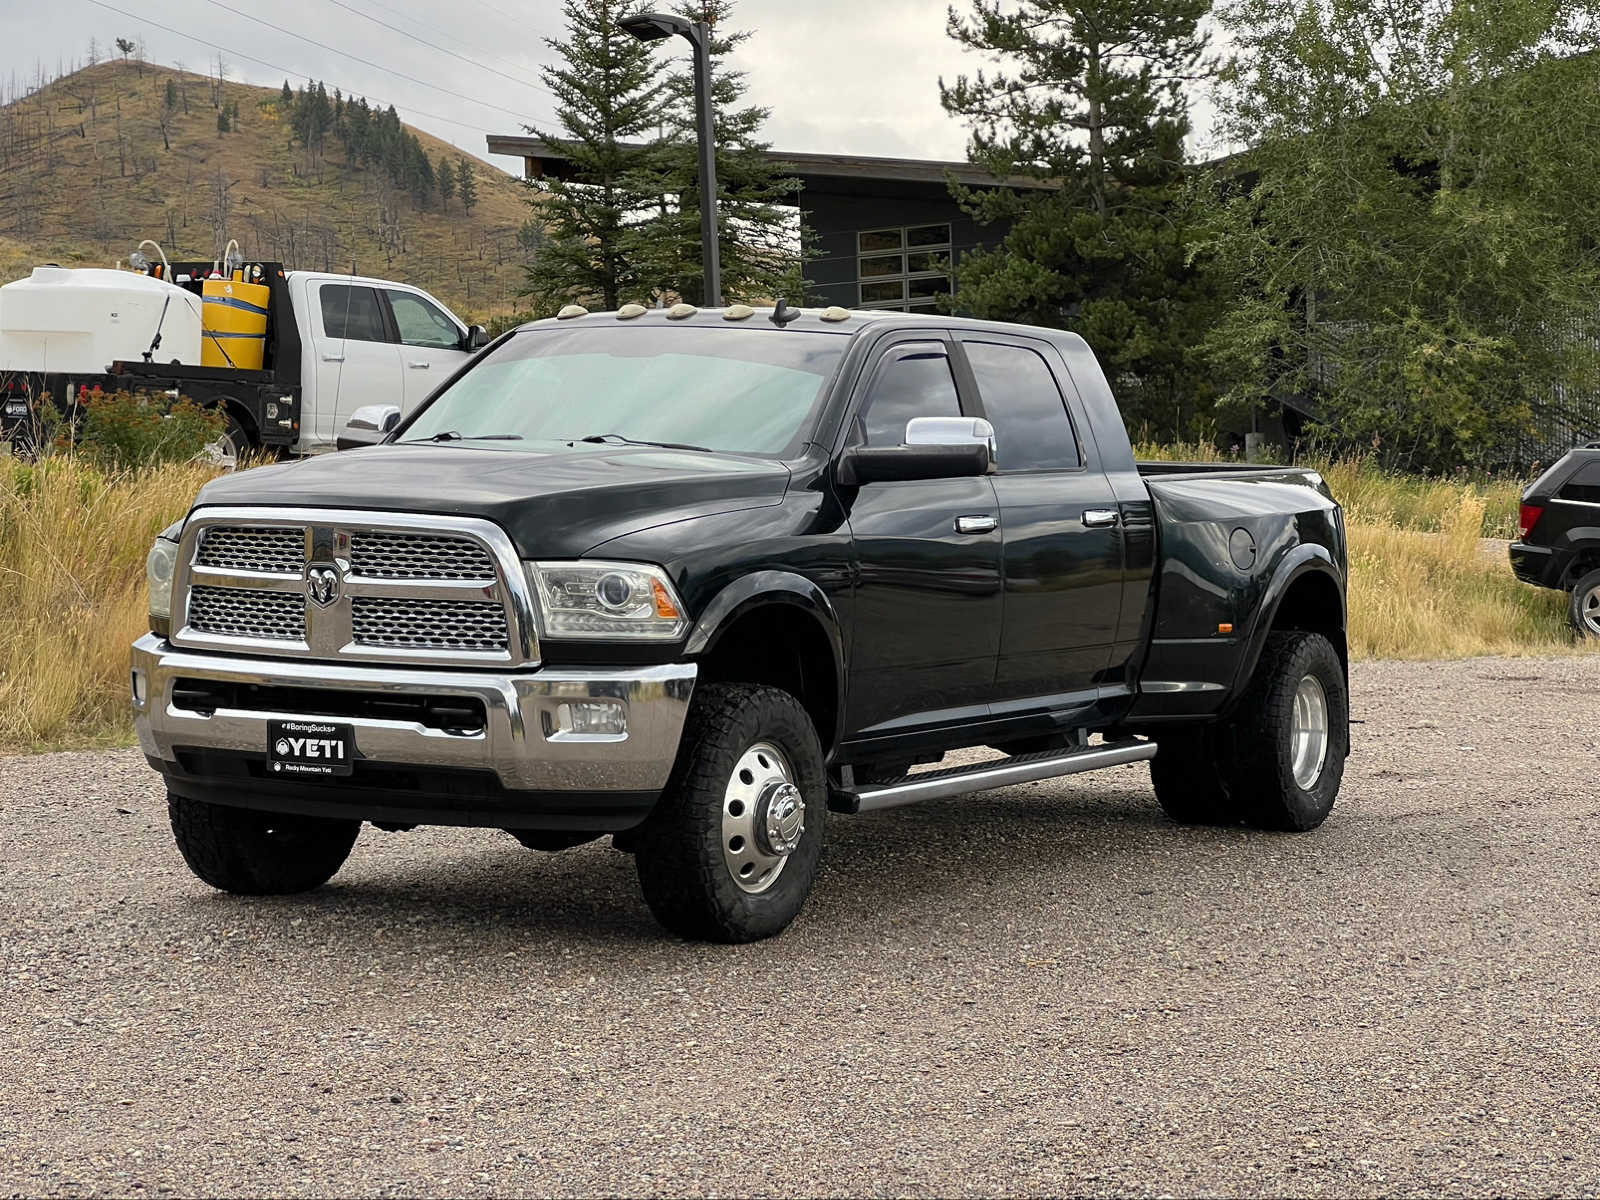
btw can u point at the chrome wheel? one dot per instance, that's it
(1308, 733)
(1589, 612)
(763, 818)
(224, 452)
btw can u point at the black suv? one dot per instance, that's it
(1560, 546)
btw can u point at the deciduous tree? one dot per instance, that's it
(1413, 238)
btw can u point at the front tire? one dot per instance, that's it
(731, 850)
(1584, 609)
(251, 853)
(1290, 735)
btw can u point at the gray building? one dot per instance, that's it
(886, 229)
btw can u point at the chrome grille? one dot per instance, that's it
(410, 624)
(236, 612)
(384, 555)
(413, 587)
(278, 551)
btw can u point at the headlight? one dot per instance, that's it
(158, 568)
(606, 600)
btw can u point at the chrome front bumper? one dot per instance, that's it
(521, 742)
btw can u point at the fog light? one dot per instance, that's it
(591, 717)
(138, 688)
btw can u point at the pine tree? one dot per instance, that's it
(420, 171)
(757, 235)
(447, 182)
(1088, 99)
(466, 184)
(286, 96)
(609, 92)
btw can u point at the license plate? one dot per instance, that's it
(310, 748)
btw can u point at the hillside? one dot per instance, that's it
(95, 161)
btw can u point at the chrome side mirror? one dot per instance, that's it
(368, 426)
(950, 431)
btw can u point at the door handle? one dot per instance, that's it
(980, 523)
(333, 358)
(1099, 518)
(419, 366)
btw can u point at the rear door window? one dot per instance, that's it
(352, 311)
(1032, 430)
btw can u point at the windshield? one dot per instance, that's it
(745, 391)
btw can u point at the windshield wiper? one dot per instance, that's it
(603, 438)
(450, 435)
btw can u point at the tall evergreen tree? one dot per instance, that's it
(447, 182)
(609, 92)
(419, 173)
(467, 184)
(757, 233)
(1088, 100)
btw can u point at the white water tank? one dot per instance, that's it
(78, 321)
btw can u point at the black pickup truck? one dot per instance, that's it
(696, 578)
(1560, 543)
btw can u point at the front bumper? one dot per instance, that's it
(519, 770)
(1538, 565)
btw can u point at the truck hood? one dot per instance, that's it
(555, 503)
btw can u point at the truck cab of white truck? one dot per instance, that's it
(368, 341)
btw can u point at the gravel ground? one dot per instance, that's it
(1039, 990)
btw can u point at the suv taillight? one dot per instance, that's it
(1530, 517)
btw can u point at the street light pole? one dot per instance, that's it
(653, 27)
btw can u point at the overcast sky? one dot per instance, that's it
(841, 76)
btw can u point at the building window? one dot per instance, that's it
(906, 269)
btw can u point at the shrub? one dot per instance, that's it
(141, 429)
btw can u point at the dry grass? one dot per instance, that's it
(73, 541)
(1427, 595)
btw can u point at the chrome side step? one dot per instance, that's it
(1021, 768)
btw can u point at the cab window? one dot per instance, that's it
(422, 323)
(913, 380)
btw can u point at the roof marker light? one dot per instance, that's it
(679, 311)
(739, 312)
(570, 311)
(629, 311)
(835, 313)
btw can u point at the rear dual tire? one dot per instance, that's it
(1278, 761)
